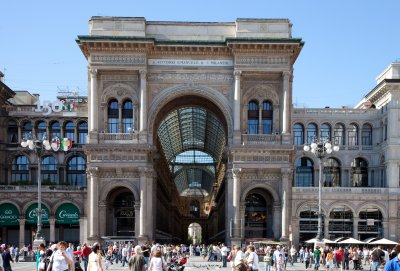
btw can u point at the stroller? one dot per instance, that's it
(177, 264)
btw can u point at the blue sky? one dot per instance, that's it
(347, 42)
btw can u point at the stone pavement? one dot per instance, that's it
(194, 264)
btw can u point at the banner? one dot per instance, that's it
(67, 213)
(9, 215)
(32, 213)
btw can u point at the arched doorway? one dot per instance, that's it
(258, 217)
(194, 234)
(121, 213)
(191, 135)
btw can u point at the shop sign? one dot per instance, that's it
(125, 213)
(9, 215)
(32, 213)
(67, 213)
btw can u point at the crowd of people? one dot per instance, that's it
(156, 257)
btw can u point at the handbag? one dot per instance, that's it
(50, 266)
(41, 265)
(229, 258)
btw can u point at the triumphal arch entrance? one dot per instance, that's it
(189, 129)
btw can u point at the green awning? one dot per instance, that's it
(67, 213)
(31, 214)
(9, 215)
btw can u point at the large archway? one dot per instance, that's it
(191, 135)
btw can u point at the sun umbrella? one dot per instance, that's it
(351, 241)
(311, 241)
(383, 241)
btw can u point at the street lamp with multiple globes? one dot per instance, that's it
(320, 148)
(39, 147)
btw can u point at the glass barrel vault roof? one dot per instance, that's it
(193, 140)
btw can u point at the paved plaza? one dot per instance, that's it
(194, 263)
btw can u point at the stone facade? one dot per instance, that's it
(140, 72)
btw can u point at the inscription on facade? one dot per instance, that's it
(191, 62)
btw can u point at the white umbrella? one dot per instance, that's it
(351, 241)
(383, 241)
(311, 241)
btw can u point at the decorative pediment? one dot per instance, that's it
(120, 92)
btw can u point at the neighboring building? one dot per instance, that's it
(192, 124)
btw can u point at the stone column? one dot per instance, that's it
(82, 230)
(93, 198)
(392, 174)
(22, 221)
(277, 217)
(236, 102)
(385, 225)
(143, 204)
(143, 101)
(285, 202)
(52, 222)
(355, 227)
(93, 101)
(286, 109)
(120, 124)
(326, 226)
(137, 211)
(236, 202)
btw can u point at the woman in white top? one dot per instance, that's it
(95, 259)
(157, 262)
(252, 260)
(60, 259)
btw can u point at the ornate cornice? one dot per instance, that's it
(190, 77)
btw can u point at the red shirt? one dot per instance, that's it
(339, 255)
(86, 251)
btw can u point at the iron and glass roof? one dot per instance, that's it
(193, 141)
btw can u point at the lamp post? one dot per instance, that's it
(38, 147)
(320, 148)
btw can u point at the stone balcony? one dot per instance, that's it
(346, 190)
(45, 188)
(265, 139)
(118, 138)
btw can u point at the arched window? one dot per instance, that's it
(267, 114)
(252, 118)
(82, 132)
(49, 170)
(308, 222)
(370, 223)
(127, 116)
(69, 130)
(340, 222)
(366, 135)
(12, 132)
(41, 130)
(359, 173)
(76, 171)
(332, 173)
(325, 131)
(352, 137)
(304, 172)
(311, 132)
(255, 215)
(20, 170)
(298, 134)
(195, 208)
(112, 115)
(27, 130)
(338, 133)
(55, 129)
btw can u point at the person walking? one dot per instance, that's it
(224, 254)
(7, 259)
(95, 259)
(137, 262)
(85, 252)
(252, 259)
(124, 253)
(60, 259)
(157, 263)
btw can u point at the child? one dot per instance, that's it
(280, 264)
